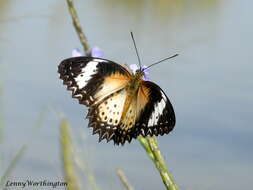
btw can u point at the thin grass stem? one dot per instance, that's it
(90, 177)
(67, 157)
(120, 172)
(12, 165)
(78, 28)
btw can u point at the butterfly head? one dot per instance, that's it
(140, 73)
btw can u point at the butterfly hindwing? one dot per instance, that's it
(105, 117)
(92, 79)
(154, 114)
(157, 117)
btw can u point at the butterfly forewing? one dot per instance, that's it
(92, 79)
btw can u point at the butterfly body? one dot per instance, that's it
(121, 104)
(132, 90)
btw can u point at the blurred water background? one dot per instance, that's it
(209, 84)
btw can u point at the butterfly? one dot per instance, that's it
(121, 104)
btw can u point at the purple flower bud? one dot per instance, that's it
(76, 53)
(134, 68)
(97, 52)
(146, 73)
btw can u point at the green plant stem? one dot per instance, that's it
(12, 165)
(151, 146)
(143, 141)
(78, 28)
(67, 157)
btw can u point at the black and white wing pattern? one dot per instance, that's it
(154, 115)
(158, 117)
(92, 79)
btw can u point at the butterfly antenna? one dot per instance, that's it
(139, 60)
(161, 61)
